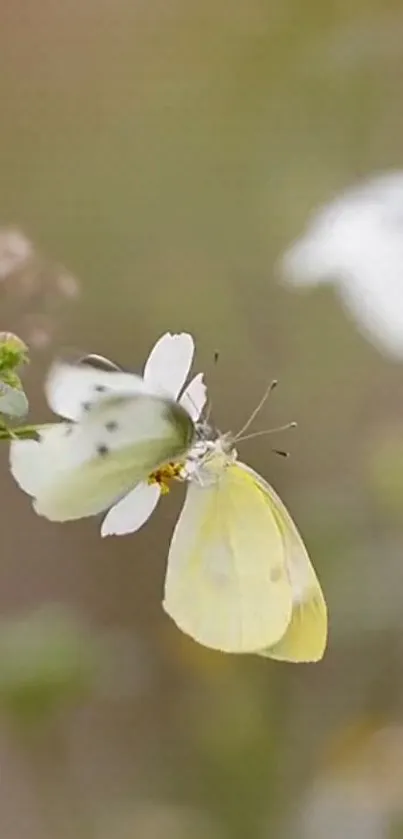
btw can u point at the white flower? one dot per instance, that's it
(166, 371)
(356, 242)
(35, 466)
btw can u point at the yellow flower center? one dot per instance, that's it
(164, 475)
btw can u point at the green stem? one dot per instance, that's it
(24, 432)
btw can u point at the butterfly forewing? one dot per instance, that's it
(226, 584)
(117, 444)
(72, 389)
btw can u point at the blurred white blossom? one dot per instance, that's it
(356, 242)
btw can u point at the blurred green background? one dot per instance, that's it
(166, 152)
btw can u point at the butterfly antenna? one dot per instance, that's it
(281, 452)
(277, 430)
(254, 413)
(192, 402)
(216, 357)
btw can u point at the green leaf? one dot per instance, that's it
(13, 401)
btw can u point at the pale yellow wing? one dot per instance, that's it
(226, 584)
(306, 636)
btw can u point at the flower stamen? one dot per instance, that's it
(164, 475)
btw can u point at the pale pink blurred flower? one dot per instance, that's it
(68, 286)
(33, 289)
(15, 251)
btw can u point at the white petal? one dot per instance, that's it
(32, 461)
(132, 511)
(169, 362)
(194, 397)
(70, 387)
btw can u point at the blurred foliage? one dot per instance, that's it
(13, 402)
(46, 662)
(13, 353)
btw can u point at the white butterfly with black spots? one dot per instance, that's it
(118, 428)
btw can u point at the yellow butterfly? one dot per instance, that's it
(239, 578)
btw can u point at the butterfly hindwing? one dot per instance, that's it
(306, 636)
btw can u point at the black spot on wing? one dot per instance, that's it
(112, 425)
(102, 450)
